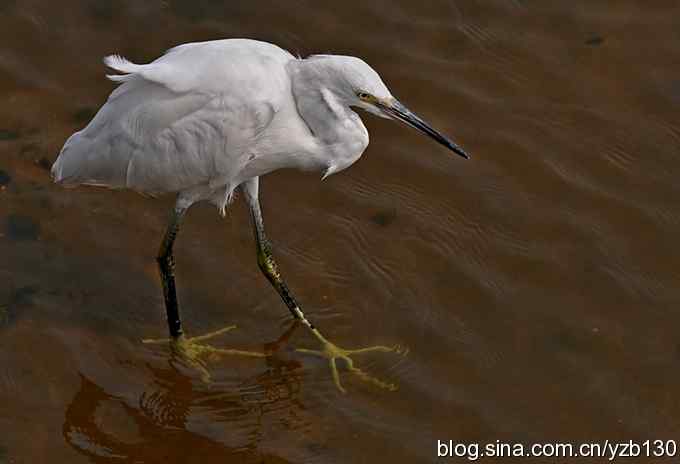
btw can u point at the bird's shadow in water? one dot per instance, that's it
(171, 420)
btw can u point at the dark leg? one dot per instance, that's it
(190, 350)
(166, 264)
(265, 260)
(268, 266)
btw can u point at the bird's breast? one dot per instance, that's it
(343, 154)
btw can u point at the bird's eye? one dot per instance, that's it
(363, 95)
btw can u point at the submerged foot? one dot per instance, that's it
(332, 352)
(196, 354)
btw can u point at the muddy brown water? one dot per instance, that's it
(536, 286)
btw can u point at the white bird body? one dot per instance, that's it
(205, 117)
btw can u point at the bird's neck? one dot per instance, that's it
(339, 132)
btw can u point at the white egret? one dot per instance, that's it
(207, 118)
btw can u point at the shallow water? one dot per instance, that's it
(535, 286)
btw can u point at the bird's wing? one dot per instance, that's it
(162, 130)
(249, 66)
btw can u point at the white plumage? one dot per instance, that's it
(205, 117)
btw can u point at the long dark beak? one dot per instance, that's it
(403, 114)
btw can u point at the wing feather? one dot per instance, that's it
(184, 120)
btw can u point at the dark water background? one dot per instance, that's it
(536, 285)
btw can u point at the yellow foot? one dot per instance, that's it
(196, 354)
(332, 352)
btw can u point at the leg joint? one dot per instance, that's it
(267, 265)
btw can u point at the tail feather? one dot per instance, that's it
(123, 65)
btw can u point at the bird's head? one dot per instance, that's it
(359, 85)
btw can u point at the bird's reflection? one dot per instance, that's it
(171, 420)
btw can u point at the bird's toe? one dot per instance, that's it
(331, 352)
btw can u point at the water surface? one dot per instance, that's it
(536, 286)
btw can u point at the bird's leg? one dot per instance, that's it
(188, 349)
(166, 265)
(269, 268)
(329, 350)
